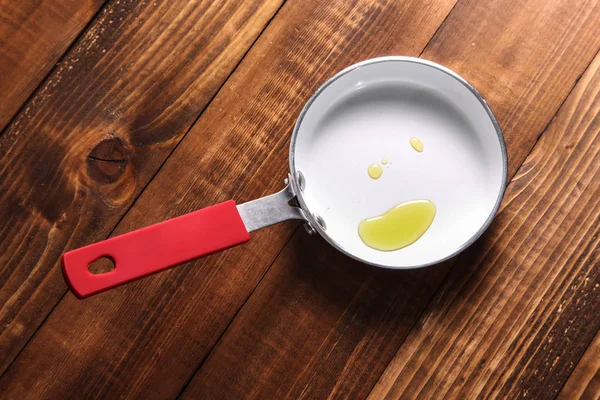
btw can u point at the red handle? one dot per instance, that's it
(155, 248)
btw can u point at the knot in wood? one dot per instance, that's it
(107, 161)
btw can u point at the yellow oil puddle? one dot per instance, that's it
(398, 227)
(416, 144)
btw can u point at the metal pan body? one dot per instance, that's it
(369, 112)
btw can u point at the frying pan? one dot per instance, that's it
(366, 112)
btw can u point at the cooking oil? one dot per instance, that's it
(416, 144)
(375, 171)
(398, 227)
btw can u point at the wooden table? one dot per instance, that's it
(118, 114)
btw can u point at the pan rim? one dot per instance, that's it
(296, 185)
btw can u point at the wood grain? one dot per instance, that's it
(518, 55)
(517, 313)
(148, 338)
(584, 382)
(90, 140)
(314, 329)
(33, 36)
(320, 325)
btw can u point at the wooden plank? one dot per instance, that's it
(88, 143)
(148, 338)
(516, 56)
(320, 325)
(313, 330)
(33, 36)
(584, 382)
(517, 313)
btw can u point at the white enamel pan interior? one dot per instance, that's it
(370, 111)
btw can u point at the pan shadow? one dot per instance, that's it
(338, 317)
(374, 299)
(346, 318)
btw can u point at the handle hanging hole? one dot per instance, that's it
(101, 265)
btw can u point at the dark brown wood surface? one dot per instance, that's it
(149, 116)
(584, 382)
(99, 129)
(521, 305)
(374, 310)
(33, 36)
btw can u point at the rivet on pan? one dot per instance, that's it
(309, 229)
(286, 181)
(301, 180)
(320, 221)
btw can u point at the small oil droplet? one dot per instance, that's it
(416, 144)
(375, 171)
(384, 160)
(398, 227)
